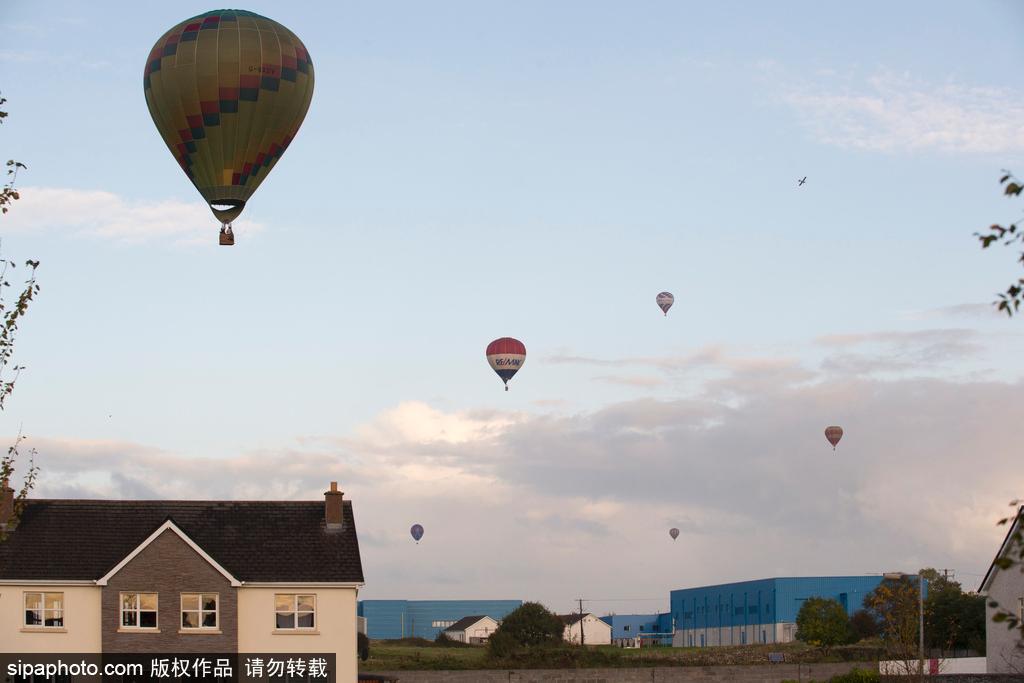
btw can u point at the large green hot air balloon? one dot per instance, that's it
(228, 91)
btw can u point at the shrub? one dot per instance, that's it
(856, 676)
(363, 646)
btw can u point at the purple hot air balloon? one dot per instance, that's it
(674, 533)
(833, 434)
(417, 532)
(665, 301)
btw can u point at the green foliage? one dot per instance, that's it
(857, 676)
(954, 620)
(9, 193)
(444, 640)
(894, 605)
(363, 646)
(10, 316)
(529, 625)
(863, 625)
(1007, 235)
(823, 622)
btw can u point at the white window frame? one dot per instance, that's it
(121, 626)
(43, 610)
(295, 611)
(200, 612)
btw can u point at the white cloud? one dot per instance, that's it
(514, 504)
(889, 112)
(105, 215)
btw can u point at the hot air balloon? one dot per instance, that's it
(417, 532)
(228, 91)
(506, 356)
(665, 301)
(833, 434)
(674, 533)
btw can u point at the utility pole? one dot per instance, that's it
(581, 622)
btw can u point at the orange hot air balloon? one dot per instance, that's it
(228, 90)
(833, 434)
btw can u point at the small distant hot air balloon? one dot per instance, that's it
(833, 434)
(665, 301)
(506, 356)
(417, 532)
(228, 90)
(674, 533)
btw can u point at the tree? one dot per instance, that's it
(10, 316)
(1007, 235)
(822, 622)
(894, 605)
(954, 620)
(863, 625)
(529, 625)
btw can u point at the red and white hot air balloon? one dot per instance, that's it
(665, 301)
(506, 356)
(833, 434)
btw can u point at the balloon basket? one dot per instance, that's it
(227, 237)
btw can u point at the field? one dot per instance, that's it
(421, 654)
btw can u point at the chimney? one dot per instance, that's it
(332, 506)
(6, 504)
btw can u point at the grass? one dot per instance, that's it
(419, 654)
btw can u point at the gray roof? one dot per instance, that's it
(465, 622)
(252, 540)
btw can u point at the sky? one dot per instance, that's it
(472, 170)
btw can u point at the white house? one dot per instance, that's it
(1004, 648)
(476, 629)
(594, 630)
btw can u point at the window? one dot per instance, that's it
(138, 610)
(295, 611)
(441, 624)
(626, 627)
(44, 610)
(199, 610)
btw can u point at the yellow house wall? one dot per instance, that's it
(335, 626)
(81, 632)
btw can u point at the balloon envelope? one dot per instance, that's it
(833, 434)
(228, 90)
(665, 301)
(417, 532)
(506, 356)
(674, 533)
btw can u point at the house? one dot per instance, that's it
(393, 619)
(594, 631)
(1004, 648)
(117, 576)
(476, 629)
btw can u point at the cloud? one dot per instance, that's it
(515, 503)
(930, 350)
(891, 112)
(640, 381)
(105, 215)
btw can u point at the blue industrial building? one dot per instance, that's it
(390, 619)
(645, 628)
(761, 611)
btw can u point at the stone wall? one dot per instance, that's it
(775, 673)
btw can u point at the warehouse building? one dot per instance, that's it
(761, 611)
(640, 630)
(392, 619)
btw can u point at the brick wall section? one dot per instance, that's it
(682, 674)
(170, 567)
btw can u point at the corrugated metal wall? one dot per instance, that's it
(389, 619)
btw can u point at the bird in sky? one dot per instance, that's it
(801, 181)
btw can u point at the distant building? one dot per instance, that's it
(1004, 649)
(392, 619)
(761, 611)
(474, 630)
(594, 631)
(635, 630)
